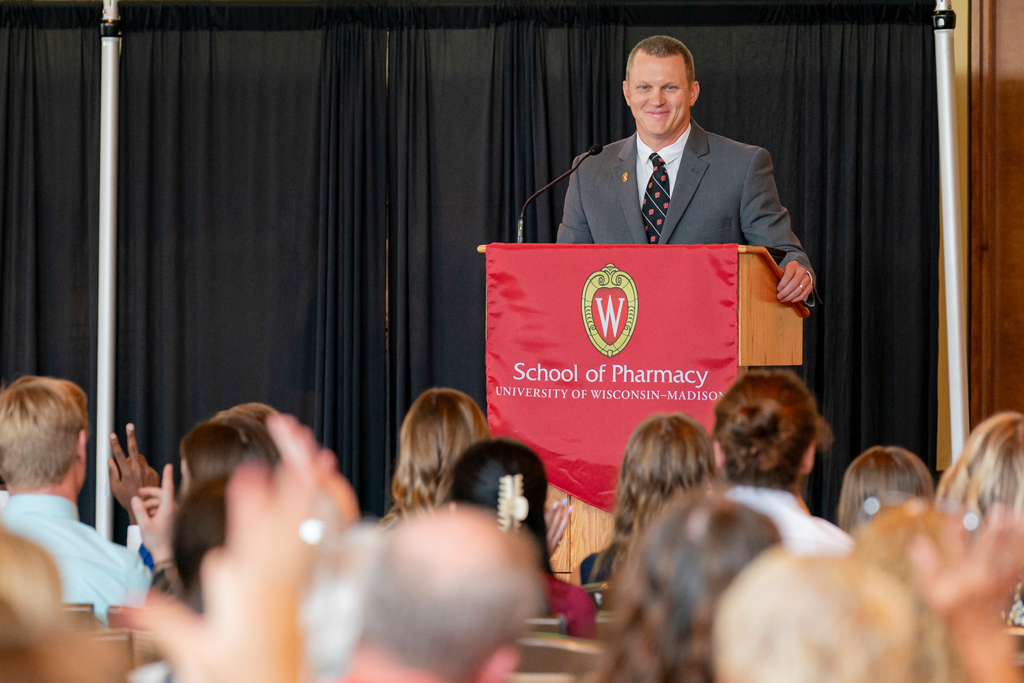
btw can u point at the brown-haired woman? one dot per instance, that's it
(665, 454)
(767, 429)
(671, 584)
(878, 471)
(440, 425)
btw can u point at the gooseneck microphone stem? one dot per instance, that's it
(596, 149)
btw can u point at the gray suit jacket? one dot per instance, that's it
(724, 193)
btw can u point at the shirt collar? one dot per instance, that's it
(34, 503)
(754, 495)
(668, 154)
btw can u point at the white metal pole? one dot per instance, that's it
(944, 21)
(110, 39)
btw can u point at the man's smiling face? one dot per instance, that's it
(660, 95)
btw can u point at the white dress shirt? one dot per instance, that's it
(670, 155)
(801, 533)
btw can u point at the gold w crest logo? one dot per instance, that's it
(609, 309)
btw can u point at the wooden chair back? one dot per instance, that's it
(550, 654)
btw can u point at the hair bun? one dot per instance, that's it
(757, 421)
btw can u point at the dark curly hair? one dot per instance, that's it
(764, 424)
(671, 585)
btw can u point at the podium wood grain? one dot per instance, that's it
(589, 530)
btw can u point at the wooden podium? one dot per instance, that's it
(770, 334)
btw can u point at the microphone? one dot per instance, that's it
(593, 151)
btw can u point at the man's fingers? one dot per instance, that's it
(798, 289)
(133, 444)
(115, 450)
(114, 473)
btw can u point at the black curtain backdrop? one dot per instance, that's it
(302, 188)
(252, 248)
(49, 198)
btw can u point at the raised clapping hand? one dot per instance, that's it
(249, 630)
(970, 589)
(129, 473)
(795, 284)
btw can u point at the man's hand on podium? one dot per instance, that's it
(795, 284)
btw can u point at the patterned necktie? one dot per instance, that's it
(656, 199)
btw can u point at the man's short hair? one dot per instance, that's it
(40, 418)
(662, 46)
(449, 590)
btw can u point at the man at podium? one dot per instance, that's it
(673, 183)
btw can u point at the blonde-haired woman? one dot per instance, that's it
(440, 425)
(990, 470)
(29, 584)
(665, 454)
(990, 473)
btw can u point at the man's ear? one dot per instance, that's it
(694, 92)
(625, 91)
(499, 666)
(719, 456)
(807, 462)
(83, 440)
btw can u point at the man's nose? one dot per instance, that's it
(657, 96)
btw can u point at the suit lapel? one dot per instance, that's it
(628, 195)
(691, 171)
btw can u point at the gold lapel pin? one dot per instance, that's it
(625, 177)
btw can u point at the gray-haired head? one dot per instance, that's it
(449, 591)
(662, 46)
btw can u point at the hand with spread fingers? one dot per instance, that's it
(129, 473)
(796, 283)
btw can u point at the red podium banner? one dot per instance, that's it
(586, 341)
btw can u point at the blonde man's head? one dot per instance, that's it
(990, 470)
(41, 419)
(793, 619)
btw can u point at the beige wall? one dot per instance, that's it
(961, 47)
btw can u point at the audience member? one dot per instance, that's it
(813, 620)
(671, 584)
(990, 473)
(43, 435)
(199, 527)
(665, 454)
(886, 471)
(447, 600)
(440, 425)
(885, 544)
(29, 586)
(254, 411)
(213, 449)
(509, 479)
(767, 429)
(249, 630)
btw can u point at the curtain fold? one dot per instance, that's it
(49, 198)
(350, 409)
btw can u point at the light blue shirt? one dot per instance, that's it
(92, 569)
